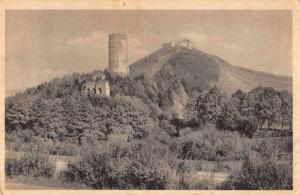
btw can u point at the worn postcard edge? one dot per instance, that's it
(293, 5)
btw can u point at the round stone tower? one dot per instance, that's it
(118, 54)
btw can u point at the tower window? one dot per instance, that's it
(100, 91)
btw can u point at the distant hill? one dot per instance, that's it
(232, 77)
(196, 70)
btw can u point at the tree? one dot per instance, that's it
(286, 109)
(230, 116)
(249, 126)
(205, 107)
(239, 94)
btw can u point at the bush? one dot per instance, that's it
(119, 168)
(212, 144)
(31, 164)
(168, 128)
(12, 167)
(249, 126)
(65, 149)
(90, 171)
(148, 174)
(261, 175)
(274, 148)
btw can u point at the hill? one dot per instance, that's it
(196, 70)
(159, 86)
(232, 78)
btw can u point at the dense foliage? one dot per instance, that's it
(134, 140)
(212, 145)
(74, 119)
(137, 166)
(261, 175)
(58, 111)
(31, 164)
(243, 112)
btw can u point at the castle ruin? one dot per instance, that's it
(184, 43)
(96, 85)
(118, 64)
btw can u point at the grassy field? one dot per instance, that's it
(28, 183)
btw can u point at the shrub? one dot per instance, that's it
(11, 167)
(249, 126)
(32, 164)
(90, 171)
(261, 175)
(119, 168)
(168, 128)
(212, 144)
(274, 148)
(148, 174)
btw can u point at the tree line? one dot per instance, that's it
(58, 111)
(260, 108)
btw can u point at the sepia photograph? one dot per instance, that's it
(148, 99)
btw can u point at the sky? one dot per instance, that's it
(44, 44)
